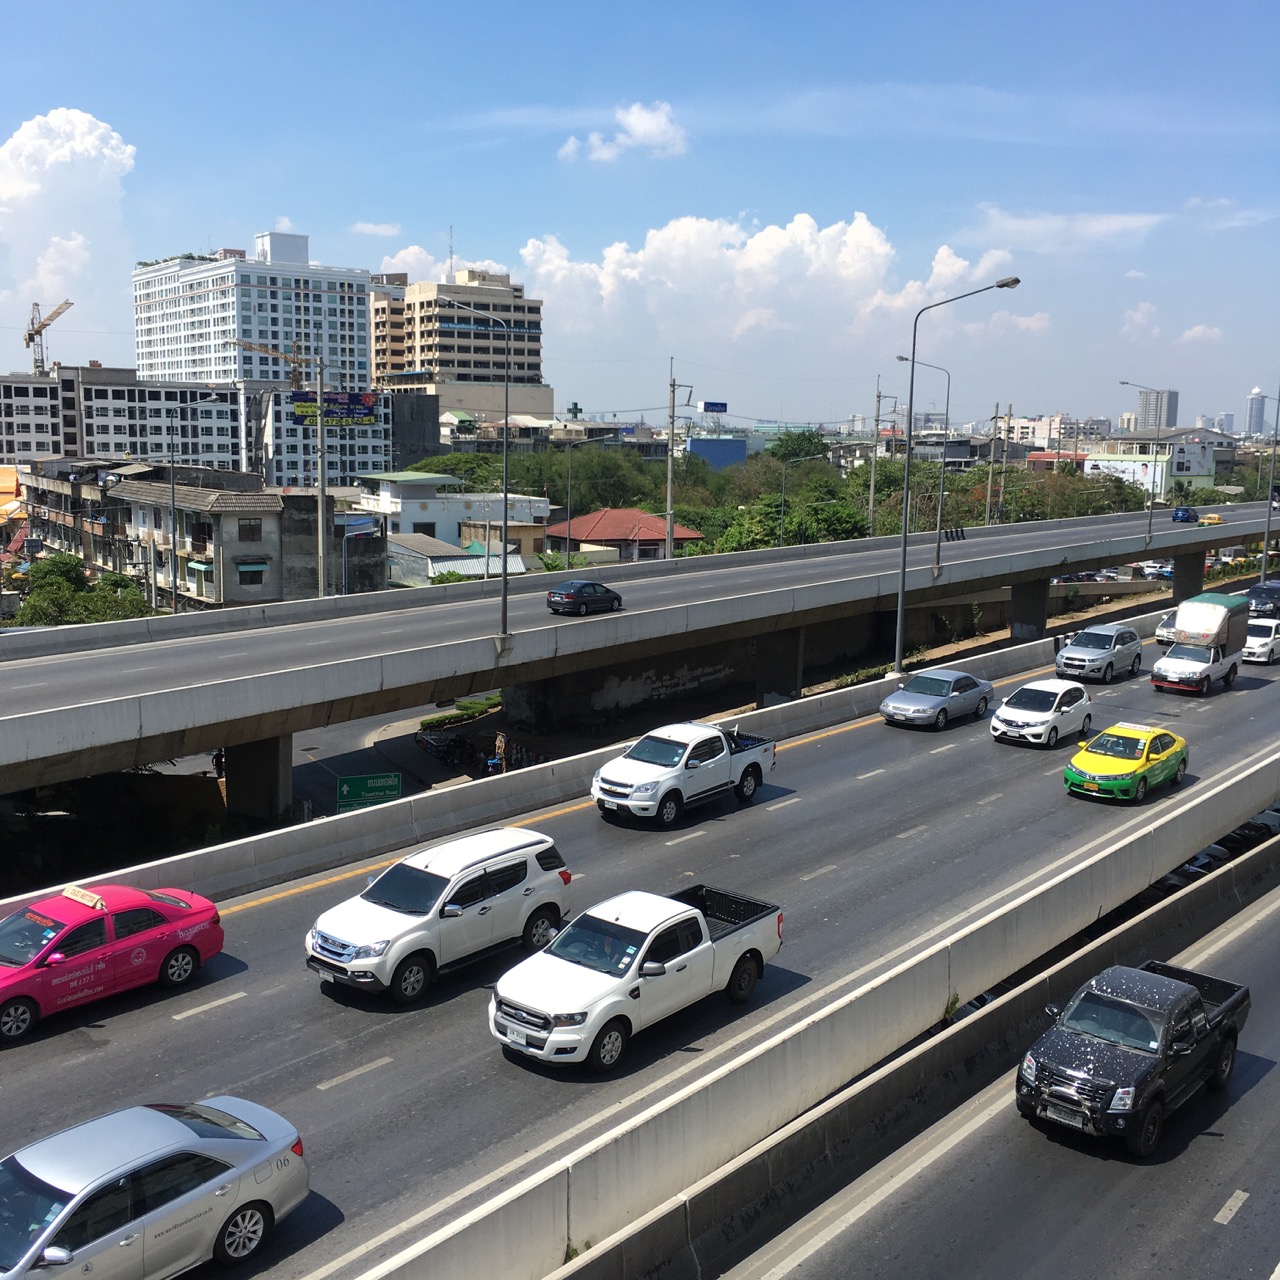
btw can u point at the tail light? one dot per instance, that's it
(217, 918)
(779, 926)
(297, 1146)
(566, 876)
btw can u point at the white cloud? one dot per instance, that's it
(376, 228)
(1141, 322)
(1201, 333)
(650, 129)
(284, 224)
(1064, 232)
(1135, 274)
(423, 266)
(62, 235)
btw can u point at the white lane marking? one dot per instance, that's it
(821, 871)
(911, 831)
(802, 1253)
(1228, 1210)
(351, 1075)
(213, 1004)
(1049, 773)
(873, 774)
(939, 750)
(989, 799)
(693, 835)
(782, 804)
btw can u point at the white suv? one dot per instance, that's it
(440, 907)
(1101, 652)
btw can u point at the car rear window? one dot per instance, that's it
(207, 1122)
(549, 859)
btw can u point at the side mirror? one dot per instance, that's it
(450, 910)
(1053, 1011)
(1179, 1048)
(55, 1256)
(652, 969)
(55, 957)
(694, 764)
(901, 685)
(371, 879)
(552, 934)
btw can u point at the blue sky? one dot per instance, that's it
(767, 194)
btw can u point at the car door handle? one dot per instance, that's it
(681, 968)
(137, 1235)
(526, 892)
(484, 911)
(634, 993)
(222, 1190)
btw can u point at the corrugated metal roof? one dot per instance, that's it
(189, 499)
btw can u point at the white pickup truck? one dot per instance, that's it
(628, 963)
(679, 765)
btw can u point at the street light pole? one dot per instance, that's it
(942, 473)
(671, 459)
(1009, 282)
(1155, 457)
(1271, 488)
(503, 632)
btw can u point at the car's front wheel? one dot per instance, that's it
(1108, 674)
(669, 809)
(1051, 738)
(412, 977)
(608, 1047)
(17, 1017)
(1144, 1140)
(940, 721)
(1140, 791)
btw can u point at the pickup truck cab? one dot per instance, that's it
(627, 963)
(1130, 1047)
(680, 765)
(441, 907)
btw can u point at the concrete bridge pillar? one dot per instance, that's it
(779, 667)
(260, 778)
(1188, 575)
(1028, 610)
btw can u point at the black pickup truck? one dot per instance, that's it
(1131, 1046)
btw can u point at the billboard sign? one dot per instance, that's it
(341, 408)
(713, 406)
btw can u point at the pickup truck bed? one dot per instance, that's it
(1214, 992)
(724, 912)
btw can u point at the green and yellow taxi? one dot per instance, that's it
(1125, 761)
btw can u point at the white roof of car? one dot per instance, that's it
(639, 910)
(686, 731)
(466, 851)
(1053, 686)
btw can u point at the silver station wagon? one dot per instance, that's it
(149, 1192)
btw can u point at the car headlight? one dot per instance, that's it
(644, 789)
(595, 778)
(1028, 1069)
(1123, 1100)
(371, 950)
(1121, 777)
(568, 1019)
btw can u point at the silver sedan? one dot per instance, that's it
(149, 1192)
(934, 697)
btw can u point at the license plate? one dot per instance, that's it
(609, 804)
(516, 1035)
(1091, 786)
(317, 968)
(1012, 733)
(1072, 1119)
(898, 717)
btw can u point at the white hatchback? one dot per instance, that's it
(1042, 712)
(1262, 643)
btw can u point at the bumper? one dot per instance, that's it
(1097, 1124)
(909, 717)
(1257, 655)
(1182, 683)
(1037, 733)
(645, 806)
(1092, 672)
(364, 978)
(562, 1044)
(1107, 789)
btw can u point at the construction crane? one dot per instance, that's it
(34, 336)
(292, 358)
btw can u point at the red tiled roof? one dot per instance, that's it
(620, 524)
(18, 539)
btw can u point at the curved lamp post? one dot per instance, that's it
(1009, 282)
(503, 633)
(942, 474)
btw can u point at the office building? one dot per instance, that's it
(1255, 413)
(1157, 411)
(189, 309)
(424, 340)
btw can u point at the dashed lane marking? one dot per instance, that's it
(821, 871)
(351, 1075)
(204, 1008)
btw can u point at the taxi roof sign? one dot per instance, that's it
(84, 897)
(1137, 728)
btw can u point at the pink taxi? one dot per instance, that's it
(84, 944)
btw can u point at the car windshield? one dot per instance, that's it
(1191, 652)
(1166, 621)
(1029, 698)
(1116, 1021)
(405, 888)
(651, 750)
(931, 686)
(1114, 744)
(1092, 640)
(207, 1122)
(27, 1207)
(598, 944)
(24, 934)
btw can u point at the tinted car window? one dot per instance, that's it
(137, 920)
(84, 938)
(107, 1210)
(166, 1180)
(666, 946)
(507, 876)
(468, 893)
(550, 859)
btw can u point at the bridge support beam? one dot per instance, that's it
(260, 778)
(779, 667)
(1028, 610)
(1188, 575)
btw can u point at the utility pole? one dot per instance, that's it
(1004, 456)
(671, 464)
(991, 461)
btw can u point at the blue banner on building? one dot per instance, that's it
(341, 408)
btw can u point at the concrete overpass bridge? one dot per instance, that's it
(86, 700)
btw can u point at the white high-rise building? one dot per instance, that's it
(1255, 413)
(188, 309)
(1157, 410)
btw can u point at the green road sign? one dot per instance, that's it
(366, 789)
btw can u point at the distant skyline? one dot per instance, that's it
(768, 205)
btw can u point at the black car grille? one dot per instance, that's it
(523, 1017)
(615, 790)
(1096, 1093)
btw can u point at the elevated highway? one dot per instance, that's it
(97, 699)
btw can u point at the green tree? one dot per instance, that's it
(798, 444)
(58, 568)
